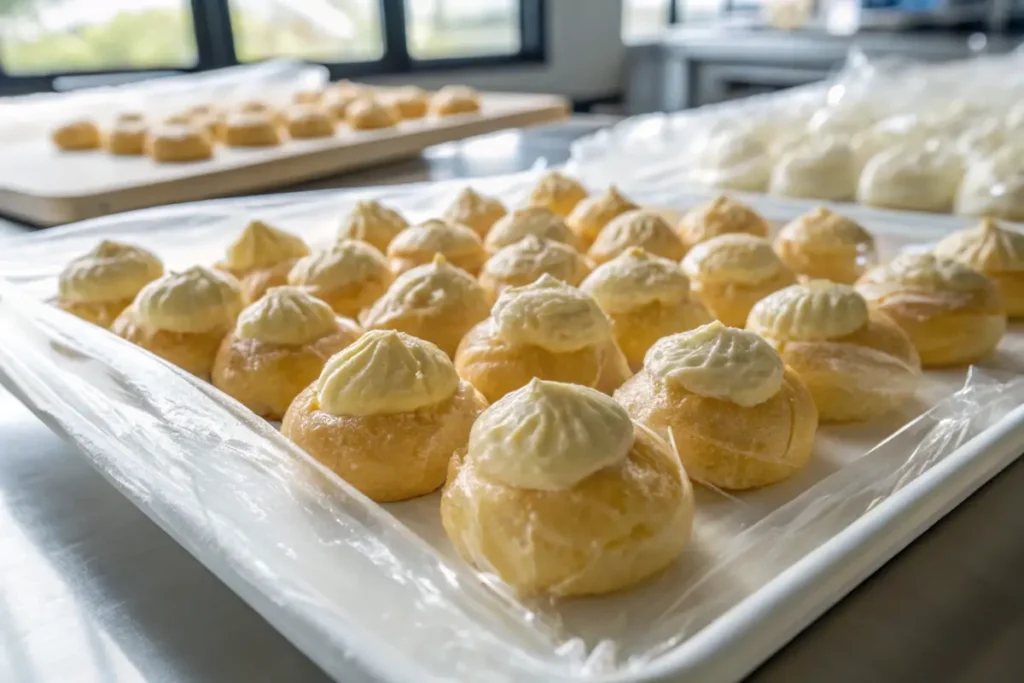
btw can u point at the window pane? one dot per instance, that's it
(59, 36)
(461, 28)
(326, 31)
(703, 10)
(644, 18)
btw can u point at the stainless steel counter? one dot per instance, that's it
(92, 592)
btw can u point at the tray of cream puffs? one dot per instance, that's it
(528, 429)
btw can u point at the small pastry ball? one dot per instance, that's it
(997, 253)
(636, 228)
(418, 245)
(337, 101)
(525, 261)
(203, 110)
(857, 363)
(437, 302)
(410, 102)
(558, 193)
(76, 136)
(911, 177)
(731, 273)
(548, 330)
(349, 276)
(822, 168)
(529, 221)
(475, 211)
(279, 345)
(821, 244)
(261, 257)
(251, 129)
(953, 314)
(737, 417)
(182, 317)
(127, 136)
(314, 96)
(553, 488)
(368, 114)
(386, 414)
(720, 216)
(306, 121)
(646, 297)
(101, 283)
(455, 99)
(373, 223)
(178, 144)
(592, 213)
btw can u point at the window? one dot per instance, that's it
(645, 18)
(42, 40)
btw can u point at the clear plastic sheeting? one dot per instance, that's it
(379, 587)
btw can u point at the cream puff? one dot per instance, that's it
(993, 185)
(410, 102)
(821, 244)
(592, 213)
(261, 256)
(953, 314)
(369, 114)
(101, 283)
(912, 177)
(532, 220)
(720, 216)
(182, 317)
(730, 273)
(127, 136)
(455, 99)
(646, 297)
(308, 121)
(736, 159)
(373, 223)
(437, 302)
(821, 168)
(995, 252)
(475, 211)
(279, 345)
(636, 228)
(250, 129)
(557, 192)
(337, 101)
(76, 136)
(736, 415)
(386, 414)
(417, 246)
(349, 276)
(856, 362)
(547, 330)
(525, 261)
(553, 489)
(176, 144)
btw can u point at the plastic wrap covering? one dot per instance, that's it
(377, 590)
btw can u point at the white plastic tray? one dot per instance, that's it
(346, 579)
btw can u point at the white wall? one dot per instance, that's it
(585, 56)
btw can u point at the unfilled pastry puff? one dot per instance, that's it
(736, 415)
(454, 99)
(369, 114)
(720, 216)
(418, 245)
(437, 302)
(553, 488)
(174, 144)
(277, 348)
(592, 213)
(525, 261)
(732, 272)
(350, 275)
(386, 414)
(474, 210)
(373, 223)
(547, 330)
(647, 297)
(636, 228)
(182, 317)
(857, 363)
(126, 136)
(995, 252)
(953, 314)
(101, 283)
(75, 136)
(250, 129)
(337, 101)
(308, 121)
(261, 256)
(532, 220)
(557, 192)
(821, 244)
(410, 102)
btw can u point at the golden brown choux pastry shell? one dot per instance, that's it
(102, 313)
(475, 211)
(76, 136)
(637, 330)
(821, 244)
(387, 457)
(178, 144)
(193, 352)
(251, 129)
(126, 137)
(265, 378)
(373, 223)
(314, 96)
(369, 114)
(721, 216)
(308, 121)
(580, 541)
(994, 251)
(527, 260)
(410, 102)
(348, 277)
(256, 283)
(417, 245)
(557, 193)
(724, 444)
(592, 213)
(454, 99)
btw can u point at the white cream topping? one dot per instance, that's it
(197, 300)
(109, 272)
(814, 311)
(552, 315)
(635, 279)
(739, 258)
(287, 316)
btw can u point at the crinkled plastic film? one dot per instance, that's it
(376, 591)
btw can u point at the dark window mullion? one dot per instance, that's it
(396, 47)
(674, 13)
(215, 43)
(532, 23)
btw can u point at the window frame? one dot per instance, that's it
(215, 48)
